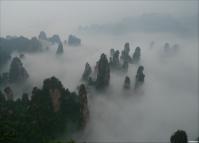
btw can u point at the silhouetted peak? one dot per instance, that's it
(103, 75)
(127, 47)
(179, 136)
(87, 72)
(55, 39)
(125, 53)
(136, 55)
(82, 90)
(140, 70)
(139, 76)
(42, 35)
(17, 72)
(73, 41)
(127, 82)
(60, 49)
(114, 60)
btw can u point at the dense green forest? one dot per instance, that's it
(50, 112)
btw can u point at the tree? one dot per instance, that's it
(25, 99)
(4, 78)
(2, 99)
(36, 120)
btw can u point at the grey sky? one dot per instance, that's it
(64, 17)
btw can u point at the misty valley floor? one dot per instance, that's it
(168, 100)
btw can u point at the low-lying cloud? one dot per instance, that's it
(168, 100)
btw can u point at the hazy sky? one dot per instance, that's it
(28, 18)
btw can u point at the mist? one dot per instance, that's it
(168, 100)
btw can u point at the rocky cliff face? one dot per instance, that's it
(136, 55)
(139, 77)
(125, 53)
(87, 72)
(55, 96)
(103, 75)
(83, 106)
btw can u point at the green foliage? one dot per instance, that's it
(71, 141)
(57, 141)
(34, 120)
